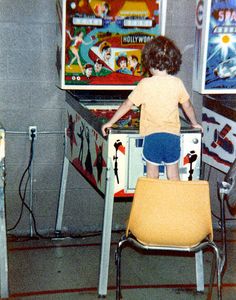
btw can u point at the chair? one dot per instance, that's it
(170, 216)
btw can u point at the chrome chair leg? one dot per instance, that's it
(218, 261)
(122, 241)
(219, 278)
(118, 267)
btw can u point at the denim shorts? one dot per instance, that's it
(161, 148)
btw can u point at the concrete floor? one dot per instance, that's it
(67, 269)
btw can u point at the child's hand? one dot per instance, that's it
(198, 126)
(105, 129)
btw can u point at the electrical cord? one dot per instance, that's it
(92, 234)
(22, 204)
(22, 196)
(84, 235)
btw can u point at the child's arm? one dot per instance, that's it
(189, 111)
(121, 111)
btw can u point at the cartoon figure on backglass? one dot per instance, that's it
(88, 70)
(98, 66)
(101, 9)
(99, 69)
(135, 66)
(122, 62)
(77, 40)
(105, 49)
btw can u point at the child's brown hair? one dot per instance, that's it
(161, 53)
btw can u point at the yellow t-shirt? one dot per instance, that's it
(159, 97)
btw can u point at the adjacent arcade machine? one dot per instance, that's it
(99, 63)
(215, 77)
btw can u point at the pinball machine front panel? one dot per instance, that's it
(89, 151)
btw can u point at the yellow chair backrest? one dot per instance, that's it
(170, 213)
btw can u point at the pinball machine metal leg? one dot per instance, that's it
(3, 254)
(4, 289)
(3, 250)
(106, 232)
(61, 202)
(212, 278)
(199, 271)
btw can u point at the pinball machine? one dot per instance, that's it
(214, 76)
(99, 63)
(112, 164)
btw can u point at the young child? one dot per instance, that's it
(159, 96)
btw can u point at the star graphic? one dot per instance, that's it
(71, 132)
(99, 163)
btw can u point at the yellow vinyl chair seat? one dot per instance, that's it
(170, 216)
(175, 213)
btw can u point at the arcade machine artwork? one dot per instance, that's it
(215, 50)
(102, 41)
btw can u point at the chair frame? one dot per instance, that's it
(125, 240)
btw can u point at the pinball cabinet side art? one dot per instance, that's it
(99, 42)
(219, 124)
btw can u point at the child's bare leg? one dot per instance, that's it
(173, 172)
(152, 171)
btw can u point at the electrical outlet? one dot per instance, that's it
(32, 132)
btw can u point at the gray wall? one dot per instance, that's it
(29, 96)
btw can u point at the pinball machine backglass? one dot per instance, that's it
(214, 69)
(100, 42)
